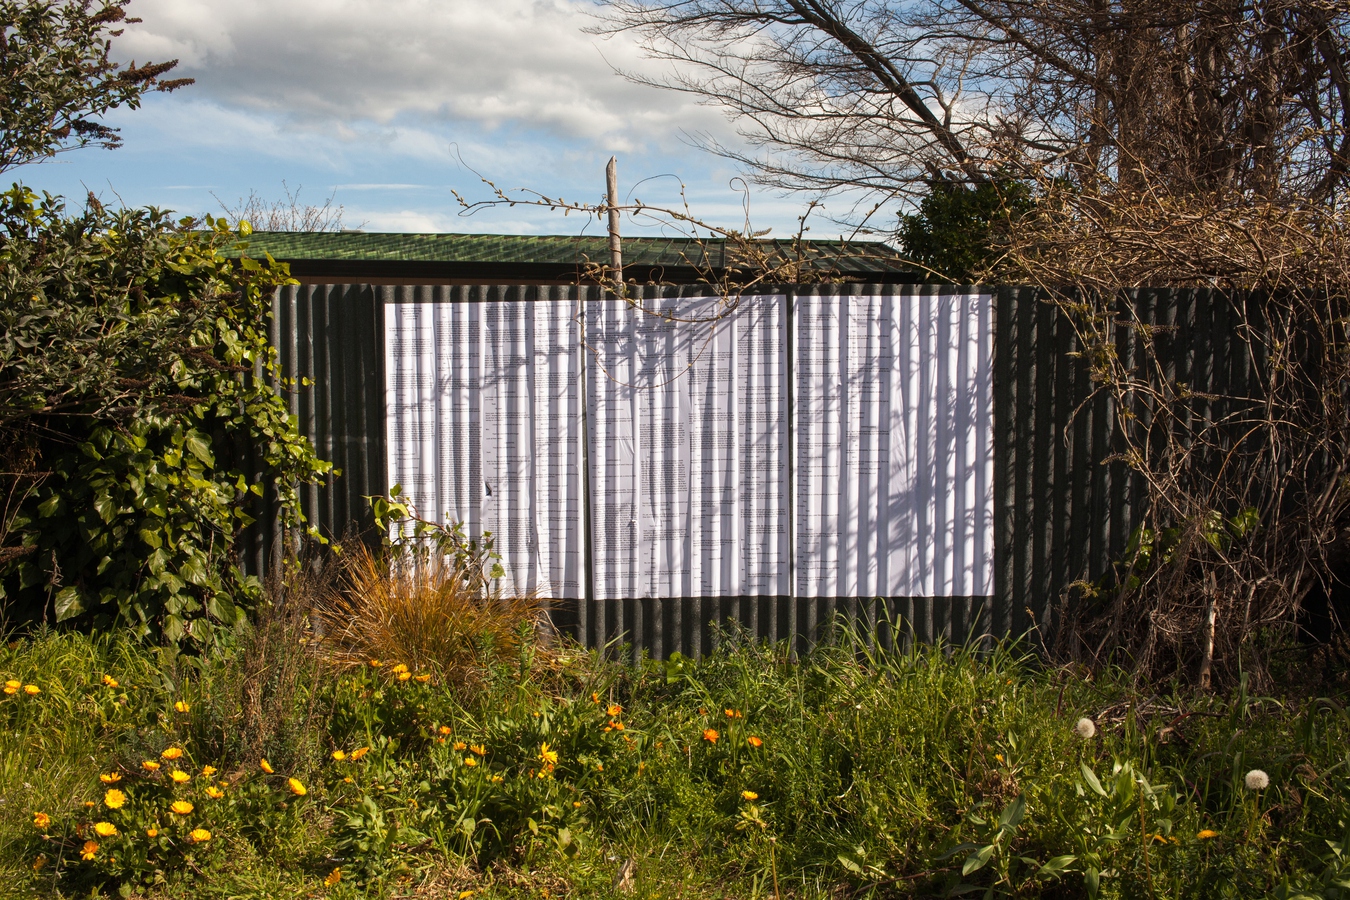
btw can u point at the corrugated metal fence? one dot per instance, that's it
(1061, 513)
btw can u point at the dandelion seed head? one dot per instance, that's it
(1085, 728)
(1257, 780)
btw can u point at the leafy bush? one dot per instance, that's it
(135, 380)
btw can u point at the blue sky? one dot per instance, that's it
(371, 102)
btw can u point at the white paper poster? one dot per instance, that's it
(894, 446)
(484, 428)
(687, 406)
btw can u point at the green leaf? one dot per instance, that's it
(199, 447)
(977, 860)
(69, 603)
(1057, 864)
(850, 865)
(1091, 778)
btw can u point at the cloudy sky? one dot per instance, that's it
(374, 102)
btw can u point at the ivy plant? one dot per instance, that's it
(142, 418)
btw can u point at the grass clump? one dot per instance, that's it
(849, 772)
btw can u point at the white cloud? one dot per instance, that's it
(379, 66)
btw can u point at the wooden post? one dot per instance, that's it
(615, 243)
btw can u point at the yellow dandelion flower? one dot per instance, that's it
(12, 688)
(110, 681)
(998, 757)
(404, 676)
(375, 663)
(576, 804)
(41, 820)
(181, 706)
(181, 807)
(39, 863)
(710, 735)
(295, 787)
(749, 795)
(478, 749)
(152, 832)
(110, 778)
(89, 850)
(424, 677)
(114, 799)
(171, 753)
(32, 690)
(470, 761)
(149, 765)
(199, 835)
(460, 745)
(399, 669)
(465, 895)
(358, 753)
(266, 766)
(347, 780)
(613, 710)
(89, 804)
(445, 729)
(733, 714)
(105, 829)
(753, 741)
(616, 725)
(333, 877)
(547, 755)
(495, 779)
(1206, 833)
(214, 792)
(208, 771)
(339, 755)
(13, 684)
(180, 777)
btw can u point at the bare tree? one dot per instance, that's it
(287, 214)
(890, 95)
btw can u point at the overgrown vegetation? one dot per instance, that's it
(850, 772)
(140, 425)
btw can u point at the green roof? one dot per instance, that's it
(558, 250)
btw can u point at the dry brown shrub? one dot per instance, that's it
(422, 611)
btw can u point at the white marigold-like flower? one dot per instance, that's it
(1085, 728)
(1257, 780)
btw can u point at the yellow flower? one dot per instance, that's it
(375, 663)
(214, 792)
(733, 714)
(105, 829)
(424, 677)
(41, 820)
(445, 729)
(478, 748)
(576, 804)
(460, 745)
(149, 765)
(749, 795)
(616, 725)
(339, 755)
(347, 780)
(754, 741)
(180, 777)
(199, 835)
(266, 766)
(208, 771)
(88, 851)
(547, 755)
(181, 807)
(613, 710)
(110, 681)
(710, 735)
(172, 753)
(110, 778)
(296, 787)
(181, 706)
(595, 698)
(399, 669)
(152, 832)
(12, 688)
(39, 863)
(1206, 834)
(495, 779)
(404, 676)
(358, 753)
(465, 895)
(470, 761)
(13, 684)
(998, 757)
(333, 877)
(114, 799)
(32, 690)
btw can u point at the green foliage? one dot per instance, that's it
(134, 365)
(56, 79)
(955, 232)
(931, 772)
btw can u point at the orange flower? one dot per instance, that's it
(152, 832)
(754, 741)
(200, 835)
(110, 681)
(358, 753)
(32, 690)
(616, 725)
(110, 778)
(149, 765)
(710, 735)
(1206, 834)
(424, 677)
(733, 714)
(214, 792)
(266, 766)
(181, 706)
(470, 761)
(172, 753)
(445, 729)
(295, 787)
(181, 807)
(41, 820)
(613, 710)
(460, 745)
(180, 777)
(749, 795)
(595, 698)
(333, 878)
(375, 663)
(89, 850)
(208, 771)
(478, 749)
(39, 863)
(105, 829)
